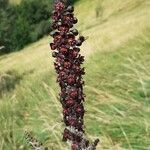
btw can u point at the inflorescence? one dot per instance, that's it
(68, 61)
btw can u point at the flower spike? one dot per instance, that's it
(68, 61)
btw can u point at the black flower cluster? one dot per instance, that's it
(68, 63)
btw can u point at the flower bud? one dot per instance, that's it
(70, 9)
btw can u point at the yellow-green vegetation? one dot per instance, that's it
(14, 1)
(117, 80)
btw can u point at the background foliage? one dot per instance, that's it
(24, 23)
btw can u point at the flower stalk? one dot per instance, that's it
(65, 49)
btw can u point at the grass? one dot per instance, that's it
(117, 81)
(122, 95)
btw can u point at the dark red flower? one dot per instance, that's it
(80, 109)
(67, 64)
(74, 93)
(72, 121)
(75, 146)
(53, 46)
(56, 16)
(70, 102)
(71, 79)
(59, 6)
(68, 17)
(54, 25)
(63, 49)
(66, 111)
(63, 28)
(57, 38)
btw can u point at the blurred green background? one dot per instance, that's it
(117, 53)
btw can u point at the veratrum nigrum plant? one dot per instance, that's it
(68, 61)
(33, 142)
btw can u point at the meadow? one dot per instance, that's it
(117, 81)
